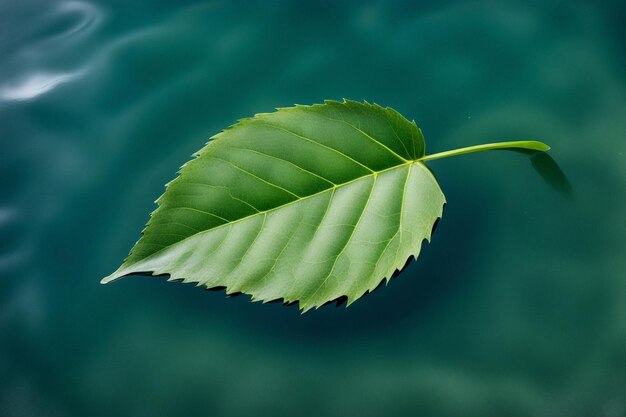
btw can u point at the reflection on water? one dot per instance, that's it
(517, 307)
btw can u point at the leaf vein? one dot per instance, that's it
(332, 269)
(283, 160)
(221, 186)
(316, 143)
(197, 210)
(365, 135)
(253, 175)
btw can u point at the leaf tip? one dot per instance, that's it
(108, 279)
(113, 277)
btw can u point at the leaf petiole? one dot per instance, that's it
(520, 144)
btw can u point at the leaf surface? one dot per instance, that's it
(306, 204)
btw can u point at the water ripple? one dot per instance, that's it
(77, 19)
(89, 17)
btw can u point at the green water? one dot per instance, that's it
(517, 308)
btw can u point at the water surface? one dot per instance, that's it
(518, 307)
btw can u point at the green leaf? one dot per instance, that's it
(307, 204)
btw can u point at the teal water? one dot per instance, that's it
(517, 308)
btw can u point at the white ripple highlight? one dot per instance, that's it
(34, 85)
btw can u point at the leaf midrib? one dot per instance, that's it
(263, 212)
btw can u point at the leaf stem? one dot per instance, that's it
(520, 144)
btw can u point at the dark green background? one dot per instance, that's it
(517, 308)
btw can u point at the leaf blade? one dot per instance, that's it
(310, 242)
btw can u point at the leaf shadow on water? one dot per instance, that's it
(550, 171)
